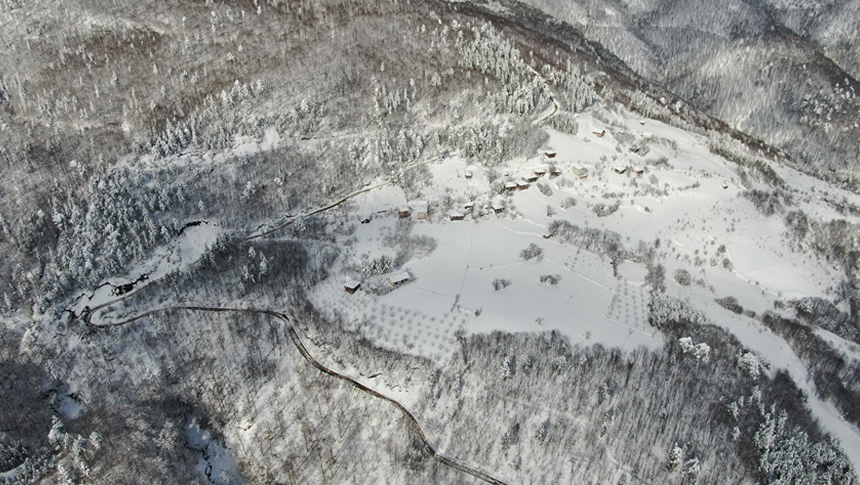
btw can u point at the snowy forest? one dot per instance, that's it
(183, 183)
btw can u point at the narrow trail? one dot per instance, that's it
(555, 105)
(88, 312)
(337, 202)
(300, 346)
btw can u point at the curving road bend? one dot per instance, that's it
(300, 346)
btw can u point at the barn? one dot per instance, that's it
(400, 278)
(351, 285)
(420, 208)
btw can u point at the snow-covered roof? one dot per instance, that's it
(351, 284)
(400, 277)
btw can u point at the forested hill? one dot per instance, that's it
(785, 72)
(421, 241)
(79, 92)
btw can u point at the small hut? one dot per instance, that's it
(420, 208)
(398, 279)
(580, 171)
(351, 285)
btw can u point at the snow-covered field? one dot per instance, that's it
(678, 200)
(691, 204)
(679, 193)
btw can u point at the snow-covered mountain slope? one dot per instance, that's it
(555, 270)
(785, 72)
(679, 207)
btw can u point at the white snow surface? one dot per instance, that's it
(701, 227)
(718, 236)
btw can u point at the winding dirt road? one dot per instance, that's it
(300, 346)
(88, 314)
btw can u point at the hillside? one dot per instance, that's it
(783, 72)
(406, 242)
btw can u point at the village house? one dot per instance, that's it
(549, 154)
(554, 172)
(540, 172)
(498, 206)
(400, 278)
(522, 186)
(599, 134)
(351, 285)
(510, 186)
(420, 208)
(639, 171)
(620, 169)
(580, 171)
(456, 216)
(468, 174)
(531, 178)
(404, 212)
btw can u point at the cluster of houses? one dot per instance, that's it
(622, 169)
(529, 178)
(418, 207)
(421, 208)
(400, 278)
